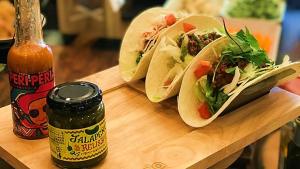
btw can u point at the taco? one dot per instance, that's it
(232, 72)
(174, 53)
(141, 39)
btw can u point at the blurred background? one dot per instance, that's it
(85, 37)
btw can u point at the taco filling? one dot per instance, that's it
(183, 48)
(149, 38)
(240, 62)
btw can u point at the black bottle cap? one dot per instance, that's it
(74, 96)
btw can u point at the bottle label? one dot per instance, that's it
(28, 102)
(78, 144)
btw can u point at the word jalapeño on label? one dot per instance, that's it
(76, 138)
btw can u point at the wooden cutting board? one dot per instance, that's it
(146, 135)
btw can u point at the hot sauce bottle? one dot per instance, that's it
(30, 65)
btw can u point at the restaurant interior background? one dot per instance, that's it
(85, 36)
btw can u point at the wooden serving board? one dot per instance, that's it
(146, 135)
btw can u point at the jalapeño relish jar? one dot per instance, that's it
(77, 132)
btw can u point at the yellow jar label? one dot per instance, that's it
(78, 144)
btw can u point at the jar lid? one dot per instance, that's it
(74, 96)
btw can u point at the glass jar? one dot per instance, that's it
(77, 132)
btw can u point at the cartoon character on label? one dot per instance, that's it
(29, 109)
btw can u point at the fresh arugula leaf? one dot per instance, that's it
(245, 47)
(251, 39)
(258, 58)
(248, 38)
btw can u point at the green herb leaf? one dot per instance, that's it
(258, 58)
(245, 46)
(230, 70)
(184, 52)
(179, 40)
(194, 37)
(221, 99)
(249, 38)
(139, 57)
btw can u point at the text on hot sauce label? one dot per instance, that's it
(25, 81)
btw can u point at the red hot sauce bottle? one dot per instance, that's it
(30, 65)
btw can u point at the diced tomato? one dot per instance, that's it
(188, 27)
(168, 82)
(170, 19)
(203, 68)
(204, 111)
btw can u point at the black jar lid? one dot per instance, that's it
(74, 96)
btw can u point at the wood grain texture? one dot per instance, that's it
(225, 163)
(270, 151)
(108, 80)
(145, 135)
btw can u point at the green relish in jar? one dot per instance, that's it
(77, 132)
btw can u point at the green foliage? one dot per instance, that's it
(245, 46)
(268, 9)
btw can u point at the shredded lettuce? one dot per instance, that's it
(170, 47)
(244, 59)
(214, 99)
(187, 60)
(230, 70)
(249, 72)
(221, 98)
(198, 92)
(229, 87)
(183, 48)
(172, 75)
(173, 51)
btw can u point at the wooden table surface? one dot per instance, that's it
(145, 135)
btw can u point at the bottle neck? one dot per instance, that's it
(28, 22)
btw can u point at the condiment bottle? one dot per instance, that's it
(30, 65)
(77, 132)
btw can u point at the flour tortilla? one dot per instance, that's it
(158, 68)
(145, 21)
(188, 102)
